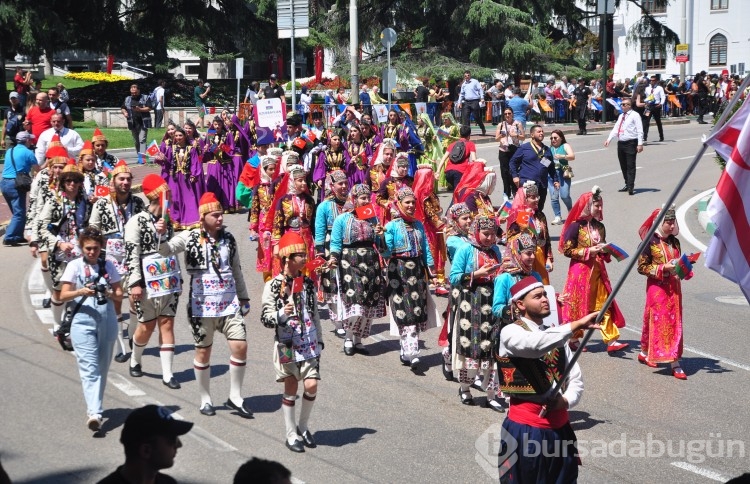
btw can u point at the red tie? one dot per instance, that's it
(622, 120)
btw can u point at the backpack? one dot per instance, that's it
(458, 152)
(152, 101)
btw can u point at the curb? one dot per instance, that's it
(703, 219)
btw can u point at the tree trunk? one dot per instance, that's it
(3, 84)
(203, 68)
(49, 60)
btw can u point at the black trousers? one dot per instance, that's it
(509, 188)
(581, 118)
(656, 114)
(453, 178)
(626, 151)
(472, 107)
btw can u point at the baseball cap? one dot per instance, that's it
(13, 94)
(22, 136)
(273, 76)
(149, 421)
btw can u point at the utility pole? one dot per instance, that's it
(354, 47)
(683, 36)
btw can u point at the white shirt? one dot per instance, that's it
(508, 93)
(159, 97)
(516, 341)
(628, 127)
(69, 138)
(658, 92)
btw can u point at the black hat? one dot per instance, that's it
(273, 76)
(294, 119)
(149, 421)
(317, 115)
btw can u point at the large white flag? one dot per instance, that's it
(729, 209)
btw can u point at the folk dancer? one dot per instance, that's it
(260, 205)
(293, 211)
(103, 159)
(182, 163)
(221, 171)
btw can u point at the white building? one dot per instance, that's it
(716, 33)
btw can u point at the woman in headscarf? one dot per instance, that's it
(473, 270)
(475, 189)
(449, 130)
(587, 286)
(183, 164)
(397, 179)
(329, 160)
(370, 135)
(410, 262)
(354, 256)
(430, 213)
(337, 187)
(527, 200)
(395, 130)
(259, 208)
(293, 211)
(433, 150)
(357, 153)
(221, 173)
(661, 336)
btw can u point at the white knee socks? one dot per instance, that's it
(308, 399)
(236, 376)
(287, 405)
(138, 349)
(57, 312)
(203, 377)
(166, 355)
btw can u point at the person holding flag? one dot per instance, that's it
(527, 214)
(95, 180)
(184, 170)
(356, 240)
(290, 307)
(661, 336)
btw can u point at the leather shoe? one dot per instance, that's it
(447, 374)
(679, 374)
(340, 333)
(122, 357)
(360, 348)
(617, 347)
(349, 350)
(307, 438)
(415, 365)
(623, 189)
(135, 371)
(466, 398)
(441, 291)
(644, 360)
(295, 447)
(208, 410)
(172, 383)
(494, 405)
(240, 409)
(631, 192)
(404, 361)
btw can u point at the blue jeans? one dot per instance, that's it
(563, 192)
(17, 202)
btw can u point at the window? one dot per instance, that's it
(717, 50)
(651, 6)
(193, 70)
(719, 4)
(653, 55)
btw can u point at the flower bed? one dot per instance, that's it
(95, 77)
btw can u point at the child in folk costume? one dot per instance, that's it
(409, 265)
(293, 211)
(354, 257)
(325, 214)
(474, 267)
(661, 337)
(92, 175)
(587, 286)
(527, 198)
(218, 300)
(430, 213)
(290, 307)
(260, 205)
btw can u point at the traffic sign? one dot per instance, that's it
(682, 53)
(388, 37)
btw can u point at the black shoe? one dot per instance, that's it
(46, 303)
(404, 361)
(579, 133)
(360, 348)
(477, 384)
(348, 350)
(466, 398)
(415, 365)
(631, 192)
(295, 447)
(661, 139)
(623, 189)
(448, 375)
(484, 133)
(702, 122)
(122, 357)
(307, 438)
(208, 410)
(240, 409)
(585, 132)
(494, 405)
(340, 333)
(135, 371)
(172, 383)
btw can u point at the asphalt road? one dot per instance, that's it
(374, 420)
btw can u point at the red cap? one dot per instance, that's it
(209, 203)
(291, 243)
(153, 186)
(523, 287)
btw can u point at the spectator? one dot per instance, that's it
(159, 93)
(137, 112)
(533, 161)
(200, 94)
(40, 115)
(60, 106)
(64, 96)
(151, 438)
(455, 168)
(261, 471)
(251, 95)
(422, 93)
(509, 92)
(364, 100)
(273, 90)
(305, 99)
(341, 96)
(510, 134)
(13, 119)
(471, 94)
(497, 99)
(330, 107)
(657, 98)
(19, 159)
(69, 138)
(549, 98)
(519, 106)
(583, 95)
(22, 84)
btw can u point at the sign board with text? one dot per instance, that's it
(682, 53)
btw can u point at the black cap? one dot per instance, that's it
(294, 119)
(149, 421)
(273, 76)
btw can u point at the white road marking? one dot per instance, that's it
(707, 473)
(603, 175)
(692, 156)
(685, 231)
(125, 386)
(591, 151)
(45, 316)
(687, 139)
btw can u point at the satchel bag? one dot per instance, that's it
(568, 172)
(23, 180)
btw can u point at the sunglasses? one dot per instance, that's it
(71, 181)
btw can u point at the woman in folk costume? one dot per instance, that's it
(397, 179)
(449, 130)
(380, 164)
(92, 176)
(587, 286)
(430, 214)
(193, 135)
(433, 149)
(293, 210)
(221, 173)
(325, 213)
(182, 162)
(410, 263)
(473, 270)
(168, 136)
(394, 130)
(329, 160)
(527, 199)
(661, 337)
(354, 254)
(459, 219)
(370, 134)
(291, 308)
(100, 144)
(258, 215)
(357, 153)
(475, 188)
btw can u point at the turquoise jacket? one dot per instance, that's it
(465, 260)
(453, 243)
(503, 283)
(341, 233)
(325, 214)
(396, 240)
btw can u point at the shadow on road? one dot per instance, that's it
(691, 366)
(264, 403)
(580, 420)
(341, 437)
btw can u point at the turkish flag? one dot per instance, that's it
(299, 143)
(298, 284)
(523, 218)
(314, 264)
(363, 213)
(153, 149)
(101, 191)
(226, 149)
(311, 136)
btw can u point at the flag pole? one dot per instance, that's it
(642, 246)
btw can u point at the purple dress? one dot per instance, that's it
(221, 174)
(357, 162)
(328, 161)
(184, 164)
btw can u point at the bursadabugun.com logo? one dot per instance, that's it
(496, 447)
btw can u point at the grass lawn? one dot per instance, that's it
(51, 81)
(119, 137)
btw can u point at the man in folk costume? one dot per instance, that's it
(153, 280)
(218, 300)
(290, 307)
(100, 143)
(110, 215)
(662, 336)
(532, 358)
(325, 214)
(260, 228)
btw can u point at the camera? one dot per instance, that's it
(100, 293)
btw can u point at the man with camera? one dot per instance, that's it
(200, 94)
(137, 111)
